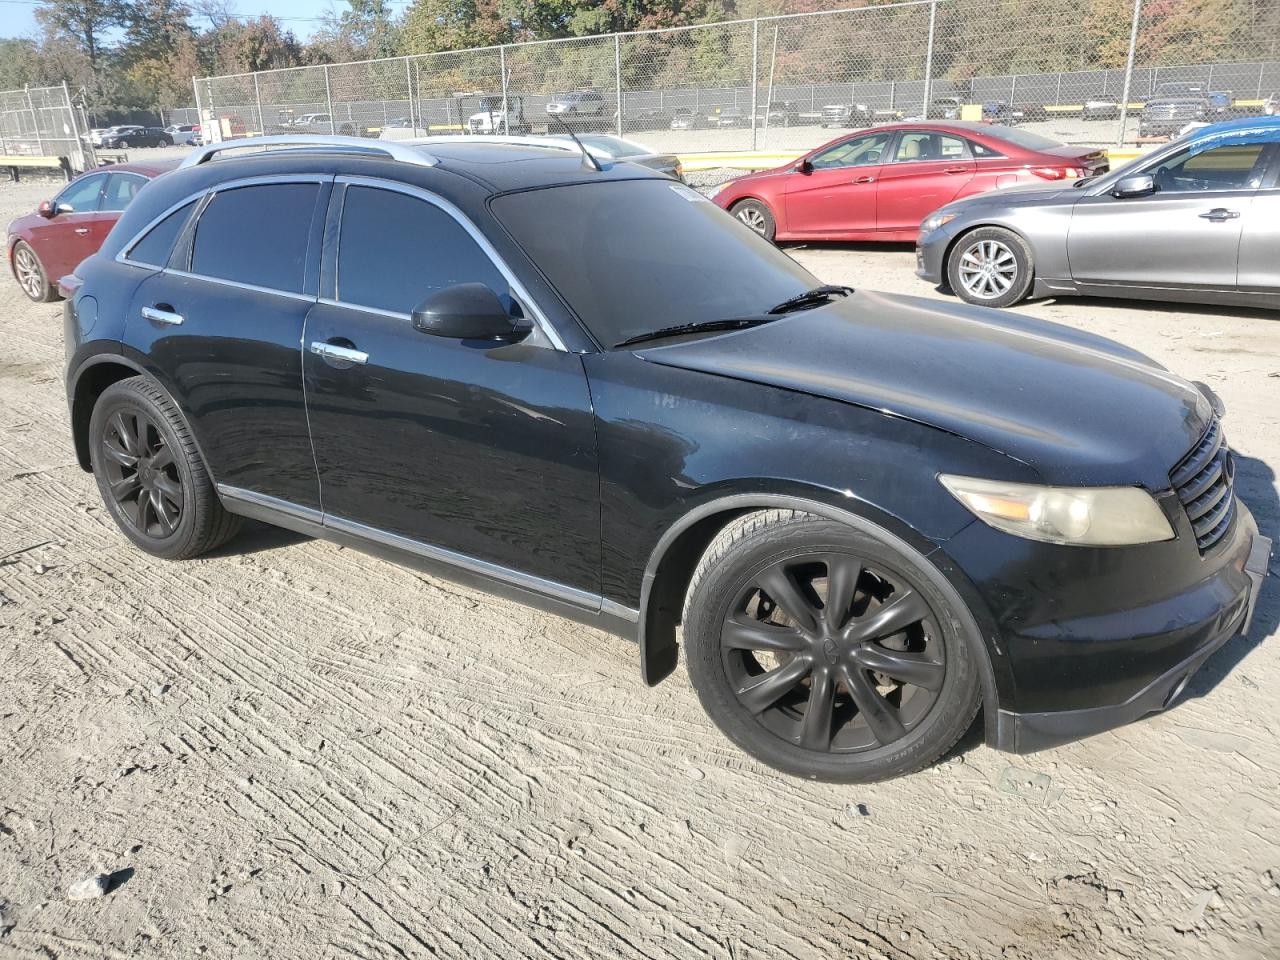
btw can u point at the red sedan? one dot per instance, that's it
(880, 183)
(48, 244)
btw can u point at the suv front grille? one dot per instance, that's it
(1204, 483)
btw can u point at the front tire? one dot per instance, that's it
(29, 272)
(756, 216)
(827, 652)
(990, 267)
(151, 475)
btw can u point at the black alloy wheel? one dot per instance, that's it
(141, 473)
(828, 651)
(833, 654)
(150, 473)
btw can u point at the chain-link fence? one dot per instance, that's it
(1085, 71)
(45, 122)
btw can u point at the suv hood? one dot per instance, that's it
(1080, 409)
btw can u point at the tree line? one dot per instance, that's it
(137, 57)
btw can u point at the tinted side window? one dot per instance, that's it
(155, 247)
(395, 250)
(82, 196)
(256, 235)
(121, 189)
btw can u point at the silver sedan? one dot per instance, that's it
(1197, 220)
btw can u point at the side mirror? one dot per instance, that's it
(804, 166)
(467, 311)
(46, 209)
(1139, 185)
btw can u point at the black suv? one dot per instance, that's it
(586, 387)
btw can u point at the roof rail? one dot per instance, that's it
(551, 143)
(391, 149)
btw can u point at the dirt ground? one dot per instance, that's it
(292, 750)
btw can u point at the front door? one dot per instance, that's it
(1185, 234)
(927, 169)
(838, 193)
(479, 448)
(221, 328)
(71, 234)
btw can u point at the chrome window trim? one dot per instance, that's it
(188, 275)
(517, 288)
(526, 581)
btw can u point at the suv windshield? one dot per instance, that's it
(634, 256)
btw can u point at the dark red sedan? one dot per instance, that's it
(880, 183)
(48, 244)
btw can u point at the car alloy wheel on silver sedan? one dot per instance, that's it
(988, 269)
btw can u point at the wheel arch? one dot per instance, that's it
(955, 242)
(673, 559)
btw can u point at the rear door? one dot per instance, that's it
(66, 238)
(927, 169)
(221, 328)
(838, 194)
(1185, 235)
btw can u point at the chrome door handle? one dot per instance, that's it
(331, 351)
(1218, 214)
(157, 315)
(82, 230)
(865, 180)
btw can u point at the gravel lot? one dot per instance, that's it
(292, 750)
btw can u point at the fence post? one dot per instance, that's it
(328, 96)
(506, 107)
(928, 60)
(257, 98)
(617, 75)
(1128, 71)
(773, 66)
(755, 77)
(408, 86)
(75, 128)
(35, 121)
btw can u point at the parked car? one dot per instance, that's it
(1221, 104)
(579, 103)
(608, 147)
(1000, 111)
(848, 115)
(318, 122)
(94, 136)
(684, 118)
(1173, 107)
(1192, 221)
(499, 116)
(181, 133)
(944, 108)
(730, 118)
(783, 113)
(649, 416)
(647, 119)
(879, 184)
(47, 244)
(122, 138)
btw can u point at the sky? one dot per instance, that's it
(17, 17)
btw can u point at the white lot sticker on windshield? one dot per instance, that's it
(693, 196)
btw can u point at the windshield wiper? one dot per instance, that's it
(811, 298)
(705, 326)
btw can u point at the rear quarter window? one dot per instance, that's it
(156, 246)
(257, 235)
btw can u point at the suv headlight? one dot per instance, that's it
(934, 221)
(1081, 516)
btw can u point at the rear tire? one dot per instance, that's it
(151, 475)
(828, 652)
(756, 216)
(30, 274)
(990, 267)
